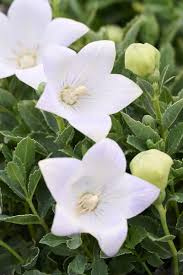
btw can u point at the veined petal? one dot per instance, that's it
(58, 172)
(56, 62)
(112, 94)
(64, 31)
(29, 19)
(105, 160)
(32, 76)
(136, 195)
(94, 127)
(112, 237)
(63, 224)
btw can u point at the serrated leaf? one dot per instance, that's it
(179, 224)
(16, 174)
(154, 260)
(25, 151)
(135, 236)
(52, 240)
(32, 258)
(175, 139)
(122, 251)
(136, 143)
(161, 249)
(77, 266)
(20, 219)
(171, 113)
(34, 179)
(74, 242)
(66, 136)
(7, 99)
(140, 130)
(99, 267)
(160, 239)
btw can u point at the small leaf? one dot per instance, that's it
(99, 267)
(161, 239)
(135, 236)
(32, 258)
(78, 265)
(175, 139)
(74, 242)
(52, 240)
(171, 113)
(15, 174)
(179, 224)
(20, 219)
(7, 99)
(137, 143)
(66, 136)
(34, 179)
(25, 151)
(180, 255)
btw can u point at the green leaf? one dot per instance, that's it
(9, 136)
(162, 249)
(99, 267)
(140, 130)
(160, 239)
(16, 174)
(20, 219)
(34, 272)
(32, 258)
(6, 152)
(25, 151)
(136, 235)
(179, 224)
(171, 113)
(180, 255)
(154, 260)
(175, 139)
(122, 251)
(78, 265)
(137, 143)
(74, 242)
(32, 116)
(52, 240)
(66, 136)
(178, 197)
(34, 179)
(7, 99)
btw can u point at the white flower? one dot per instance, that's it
(96, 195)
(81, 89)
(25, 31)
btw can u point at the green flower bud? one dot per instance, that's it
(152, 166)
(113, 32)
(149, 121)
(142, 59)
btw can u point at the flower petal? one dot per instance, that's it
(105, 160)
(56, 61)
(93, 127)
(57, 173)
(112, 237)
(29, 19)
(136, 195)
(63, 225)
(112, 94)
(32, 76)
(6, 70)
(5, 35)
(64, 31)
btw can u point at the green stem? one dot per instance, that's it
(41, 220)
(146, 268)
(11, 251)
(162, 213)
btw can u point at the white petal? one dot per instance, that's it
(63, 225)
(32, 76)
(57, 173)
(136, 195)
(56, 62)
(64, 31)
(112, 237)
(105, 160)
(95, 60)
(50, 102)
(93, 127)
(6, 70)
(29, 19)
(4, 35)
(112, 94)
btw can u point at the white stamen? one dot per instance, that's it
(70, 95)
(87, 203)
(27, 60)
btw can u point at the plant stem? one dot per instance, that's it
(11, 251)
(162, 212)
(146, 268)
(41, 220)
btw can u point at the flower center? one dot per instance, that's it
(27, 60)
(87, 203)
(70, 95)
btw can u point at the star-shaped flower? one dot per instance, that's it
(96, 195)
(81, 88)
(25, 31)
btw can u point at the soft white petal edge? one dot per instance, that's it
(32, 76)
(96, 128)
(111, 239)
(105, 157)
(64, 31)
(57, 173)
(63, 225)
(137, 195)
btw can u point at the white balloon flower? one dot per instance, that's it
(96, 195)
(24, 33)
(81, 88)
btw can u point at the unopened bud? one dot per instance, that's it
(152, 166)
(113, 32)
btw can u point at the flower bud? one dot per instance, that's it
(112, 32)
(152, 166)
(142, 59)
